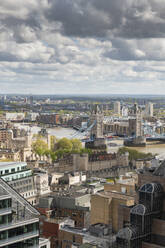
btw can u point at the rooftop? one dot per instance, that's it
(87, 237)
(12, 164)
(115, 194)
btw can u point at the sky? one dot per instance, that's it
(82, 46)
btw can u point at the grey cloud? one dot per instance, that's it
(143, 49)
(131, 19)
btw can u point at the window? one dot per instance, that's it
(74, 239)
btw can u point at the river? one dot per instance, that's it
(61, 132)
(153, 148)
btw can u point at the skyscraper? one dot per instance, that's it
(117, 108)
(149, 109)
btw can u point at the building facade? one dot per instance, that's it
(19, 221)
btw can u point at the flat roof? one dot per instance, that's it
(11, 164)
(117, 195)
(87, 237)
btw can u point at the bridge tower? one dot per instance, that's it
(135, 122)
(96, 119)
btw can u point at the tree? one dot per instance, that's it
(134, 154)
(86, 150)
(39, 147)
(53, 156)
(76, 145)
(64, 144)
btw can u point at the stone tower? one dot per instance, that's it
(96, 121)
(135, 122)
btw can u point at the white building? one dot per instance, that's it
(31, 116)
(149, 109)
(42, 183)
(124, 111)
(55, 177)
(73, 178)
(22, 179)
(117, 108)
(14, 116)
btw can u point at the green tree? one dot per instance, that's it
(76, 145)
(64, 144)
(39, 147)
(134, 154)
(85, 150)
(53, 156)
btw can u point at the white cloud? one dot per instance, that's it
(82, 46)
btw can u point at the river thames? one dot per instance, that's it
(61, 132)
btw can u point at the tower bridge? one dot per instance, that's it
(138, 130)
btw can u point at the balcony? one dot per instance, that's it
(18, 238)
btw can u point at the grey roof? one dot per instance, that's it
(128, 233)
(140, 209)
(151, 188)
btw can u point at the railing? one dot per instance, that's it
(4, 211)
(18, 238)
(18, 197)
(17, 223)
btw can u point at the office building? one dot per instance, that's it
(149, 109)
(117, 108)
(20, 178)
(19, 221)
(30, 185)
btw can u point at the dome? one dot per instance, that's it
(140, 209)
(151, 188)
(128, 233)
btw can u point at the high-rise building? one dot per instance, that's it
(31, 100)
(117, 108)
(19, 221)
(149, 109)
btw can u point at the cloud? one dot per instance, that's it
(143, 49)
(95, 18)
(82, 45)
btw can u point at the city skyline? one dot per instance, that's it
(82, 47)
